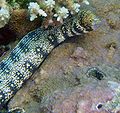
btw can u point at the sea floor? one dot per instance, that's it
(81, 75)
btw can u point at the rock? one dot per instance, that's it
(3, 50)
(20, 23)
(7, 35)
(79, 100)
(63, 83)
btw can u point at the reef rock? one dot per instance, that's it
(81, 75)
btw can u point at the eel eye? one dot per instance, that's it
(90, 20)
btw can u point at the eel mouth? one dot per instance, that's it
(97, 23)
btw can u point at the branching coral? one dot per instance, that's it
(52, 10)
(35, 10)
(4, 13)
(59, 9)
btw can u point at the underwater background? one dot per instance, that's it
(81, 75)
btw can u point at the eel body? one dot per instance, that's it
(34, 47)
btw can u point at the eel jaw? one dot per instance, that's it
(96, 23)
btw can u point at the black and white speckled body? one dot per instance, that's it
(27, 56)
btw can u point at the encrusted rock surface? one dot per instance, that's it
(81, 75)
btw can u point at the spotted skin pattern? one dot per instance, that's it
(31, 51)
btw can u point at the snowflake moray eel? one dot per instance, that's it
(34, 47)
